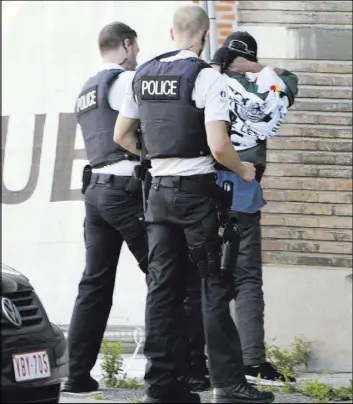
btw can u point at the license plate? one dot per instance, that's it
(31, 366)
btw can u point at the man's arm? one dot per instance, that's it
(125, 133)
(216, 116)
(223, 151)
(241, 65)
(128, 121)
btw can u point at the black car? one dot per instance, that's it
(33, 350)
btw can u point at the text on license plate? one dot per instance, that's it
(31, 366)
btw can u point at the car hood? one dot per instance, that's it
(12, 280)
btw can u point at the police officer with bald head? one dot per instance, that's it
(181, 104)
(113, 201)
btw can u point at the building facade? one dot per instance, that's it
(307, 223)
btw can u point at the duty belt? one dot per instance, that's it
(186, 184)
(114, 181)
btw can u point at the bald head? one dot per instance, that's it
(190, 23)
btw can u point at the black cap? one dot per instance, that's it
(244, 43)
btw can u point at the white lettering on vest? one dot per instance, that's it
(165, 87)
(86, 100)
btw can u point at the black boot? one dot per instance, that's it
(241, 393)
(198, 383)
(177, 392)
(80, 385)
(183, 396)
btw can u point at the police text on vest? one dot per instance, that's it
(160, 87)
(87, 100)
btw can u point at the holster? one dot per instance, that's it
(86, 177)
(230, 232)
(133, 187)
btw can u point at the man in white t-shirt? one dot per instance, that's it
(181, 104)
(259, 99)
(113, 202)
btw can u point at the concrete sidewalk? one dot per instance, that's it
(135, 369)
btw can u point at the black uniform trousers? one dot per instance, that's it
(177, 222)
(112, 216)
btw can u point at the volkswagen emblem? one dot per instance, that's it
(11, 312)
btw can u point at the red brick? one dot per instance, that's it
(224, 8)
(224, 25)
(229, 16)
(225, 33)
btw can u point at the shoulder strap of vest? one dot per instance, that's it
(158, 58)
(201, 65)
(114, 76)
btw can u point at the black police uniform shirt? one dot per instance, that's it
(115, 98)
(211, 94)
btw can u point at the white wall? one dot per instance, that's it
(315, 304)
(49, 50)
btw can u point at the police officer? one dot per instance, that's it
(112, 201)
(182, 106)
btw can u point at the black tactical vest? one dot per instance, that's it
(171, 124)
(97, 120)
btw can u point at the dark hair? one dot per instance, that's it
(244, 43)
(113, 35)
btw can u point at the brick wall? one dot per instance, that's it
(308, 183)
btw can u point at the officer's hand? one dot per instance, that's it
(223, 57)
(249, 171)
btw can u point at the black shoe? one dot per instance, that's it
(80, 386)
(183, 396)
(266, 375)
(241, 393)
(198, 383)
